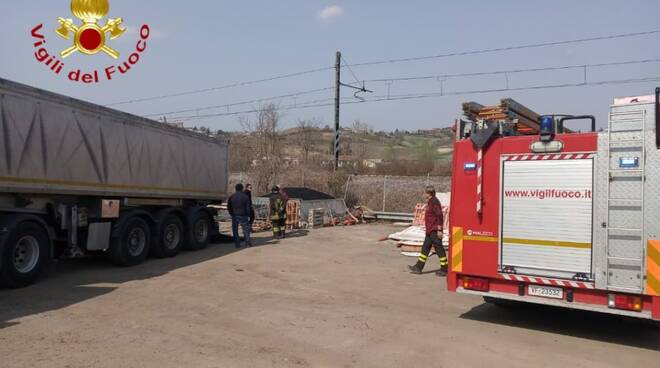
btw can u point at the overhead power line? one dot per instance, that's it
(514, 71)
(509, 48)
(321, 69)
(416, 96)
(413, 78)
(346, 64)
(205, 108)
(226, 86)
(281, 108)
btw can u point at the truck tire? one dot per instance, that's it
(131, 247)
(199, 230)
(25, 252)
(170, 236)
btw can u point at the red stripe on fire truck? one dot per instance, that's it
(567, 156)
(551, 282)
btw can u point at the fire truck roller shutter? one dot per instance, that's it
(547, 216)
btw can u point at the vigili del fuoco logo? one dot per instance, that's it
(90, 36)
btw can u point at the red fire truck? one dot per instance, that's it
(542, 214)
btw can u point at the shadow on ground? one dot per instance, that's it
(583, 324)
(68, 282)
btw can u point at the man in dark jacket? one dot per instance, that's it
(433, 221)
(239, 209)
(248, 191)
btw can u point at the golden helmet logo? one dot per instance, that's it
(90, 37)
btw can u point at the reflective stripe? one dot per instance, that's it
(653, 268)
(423, 256)
(489, 239)
(457, 249)
(423, 260)
(548, 243)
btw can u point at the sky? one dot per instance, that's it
(197, 45)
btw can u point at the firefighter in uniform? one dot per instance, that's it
(433, 220)
(278, 213)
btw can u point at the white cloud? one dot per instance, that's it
(330, 13)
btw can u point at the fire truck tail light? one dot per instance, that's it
(627, 302)
(472, 283)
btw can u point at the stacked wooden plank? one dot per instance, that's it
(410, 240)
(420, 212)
(292, 214)
(508, 110)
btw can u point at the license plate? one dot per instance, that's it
(546, 291)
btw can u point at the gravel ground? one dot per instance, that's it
(328, 298)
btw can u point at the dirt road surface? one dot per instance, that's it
(328, 298)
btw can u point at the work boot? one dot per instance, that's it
(415, 269)
(442, 272)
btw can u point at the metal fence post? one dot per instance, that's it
(384, 191)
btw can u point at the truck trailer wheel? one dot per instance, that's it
(169, 237)
(199, 230)
(24, 254)
(132, 246)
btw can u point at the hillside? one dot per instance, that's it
(363, 150)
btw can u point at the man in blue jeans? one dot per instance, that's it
(240, 209)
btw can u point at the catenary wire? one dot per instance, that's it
(508, 48)
(226, 86)
(357, 80)
(435, 94)
(417, 78)
(452, 54)
(514, 71)
(204, 108)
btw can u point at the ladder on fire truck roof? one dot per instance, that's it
(626, 170)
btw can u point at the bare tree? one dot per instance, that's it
(267, 146)
(361, 128)
(306, 129)
(241, 153)
(360, 151)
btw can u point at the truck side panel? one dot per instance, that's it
(623, 263)
(57, 145)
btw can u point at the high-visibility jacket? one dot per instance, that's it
(277, 207)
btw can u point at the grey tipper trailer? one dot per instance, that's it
(77, 178)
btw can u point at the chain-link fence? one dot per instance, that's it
(391, 193)
(378, 193)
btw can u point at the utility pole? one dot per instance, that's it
(338, 85)
(337, 105)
